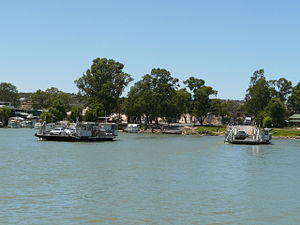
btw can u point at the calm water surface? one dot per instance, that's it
(147, 179)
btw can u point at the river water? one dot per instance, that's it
(147, 179)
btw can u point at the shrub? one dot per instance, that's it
(267, 122)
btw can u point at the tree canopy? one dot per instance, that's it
(266, 99)
(9, 93)
(58, 110)
(47, 116)
(44, 99)
(95, 110)
(201, 101)
(4, 114)
(153, 96)
(258, 94)
(104, 82)
(277, 111)
(140, 100)
(294, 99)
(182, 101)
(281, 88)
(76, 113)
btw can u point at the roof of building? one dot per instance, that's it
(295, 118)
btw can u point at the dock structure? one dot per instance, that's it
(247, 134)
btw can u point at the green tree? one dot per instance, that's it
(44, 99)
(281, 89)
(59, 110)
(164, 90)
(201, 102)
(153, 96)
(258, 94)
(182, 101)
(104, 82)
(76, 113)
(40, 100)
(260, 117)
(140, 100)
(234, 109)
(9, 93)
(277, 111)
(4, 114)
(47, 117)
(267, 122)
(95, 110)
(56, 94)
(194, 83)
(294, 99)
(218, 107)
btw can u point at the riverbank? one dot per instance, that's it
(286, 133)
(202, 131)
(277, 133)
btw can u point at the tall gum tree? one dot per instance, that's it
(104, 82)
(201, 102)
(281, 88)
(153, 96)
(258, 94)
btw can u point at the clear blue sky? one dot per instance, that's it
(52, 43)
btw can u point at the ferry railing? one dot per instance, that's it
(230, 135)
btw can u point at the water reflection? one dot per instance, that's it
(255, 149)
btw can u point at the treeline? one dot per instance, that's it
(159, 95)
(271, 101)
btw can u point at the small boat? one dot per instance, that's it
(37, 125)
(26, 124)
(172, 130)
(247, 134)
(83, 131)
(132, 128)
(15, 122)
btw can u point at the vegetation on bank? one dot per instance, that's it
(219, 130)
(216, 131)
(285, 132)
(160, 95)
(211, 130)
(4, 114)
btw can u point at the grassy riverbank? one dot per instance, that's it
(217, 131)
(278, 133)
(285, 132)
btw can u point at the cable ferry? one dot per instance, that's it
(82, 131)
(247, 134)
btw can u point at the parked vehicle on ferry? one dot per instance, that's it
(240, 135)
(57, 131)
